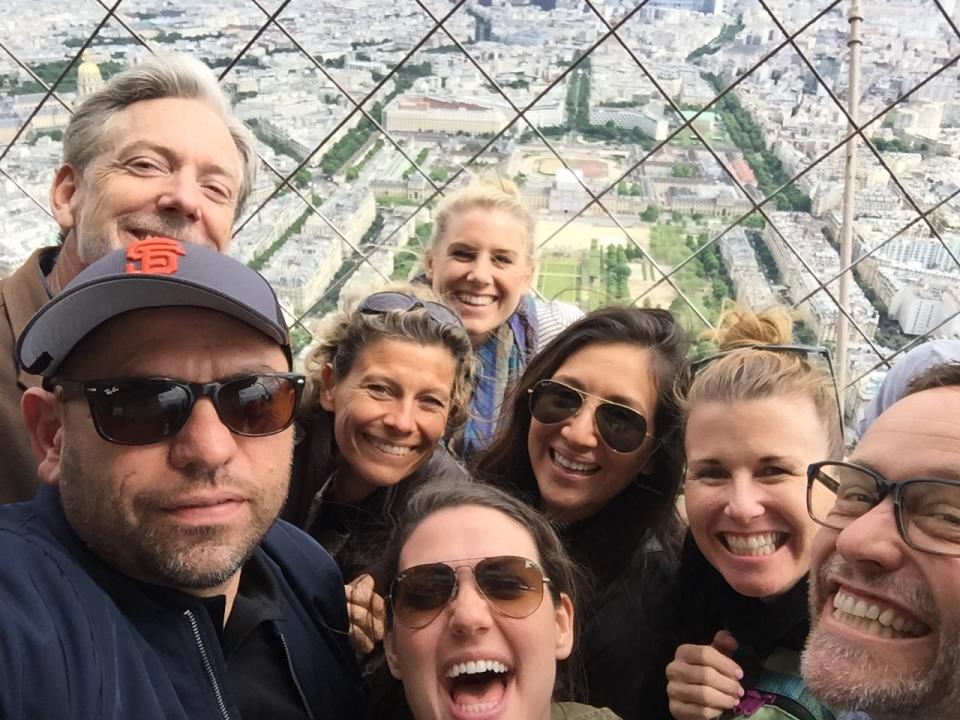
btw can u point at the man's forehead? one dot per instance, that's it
(146, 340)
(918, 435)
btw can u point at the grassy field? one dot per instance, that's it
(558, 278)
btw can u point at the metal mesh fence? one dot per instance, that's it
(678, 153)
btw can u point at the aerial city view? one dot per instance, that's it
(647, 188)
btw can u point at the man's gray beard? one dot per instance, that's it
(848, 677)
(934, 695)
(142, 553)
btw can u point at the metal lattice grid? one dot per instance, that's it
(728, 125)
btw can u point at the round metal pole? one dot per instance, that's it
(854, 43)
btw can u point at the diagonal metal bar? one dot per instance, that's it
(251, 41)
(63, 74)
(26, 192)
(36, 78)
(358, 108)
(852, 123)
(123, 23)
(879, 246)
(495, 137)
(919, 339)
(343, 91)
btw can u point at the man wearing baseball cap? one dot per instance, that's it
(150, 577)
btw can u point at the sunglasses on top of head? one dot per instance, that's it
(622, 428)
(142, 411)
(383, 302)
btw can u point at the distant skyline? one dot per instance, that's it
(664, 195)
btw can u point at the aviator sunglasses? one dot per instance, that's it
(383, 302)
(622, 428)
(142, 411)
(513, 586)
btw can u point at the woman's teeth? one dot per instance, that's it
(573, 466)
(398, 450)
(474, 667)
(874, 618)
(756, 545)
(478, 300)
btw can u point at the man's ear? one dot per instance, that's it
(66, 185)
(428, 264)
(563, 617)
(327, 384)
(389, 651)
(41, 415)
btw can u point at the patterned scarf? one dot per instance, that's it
(503, 358)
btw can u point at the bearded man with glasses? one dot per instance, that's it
(885, 582)
(150, 577)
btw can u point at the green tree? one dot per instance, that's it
(651, 214)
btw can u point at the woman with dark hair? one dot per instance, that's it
(592, 439)
(480, 616)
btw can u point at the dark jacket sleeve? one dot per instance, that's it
(48, 666)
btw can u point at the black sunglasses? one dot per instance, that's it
(142, 411)
(384, 302)
(512, 585)
(622, 428)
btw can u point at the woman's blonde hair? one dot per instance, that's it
(491, 192)
(345, 334)
(748, 372)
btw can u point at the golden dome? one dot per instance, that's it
(88, 69)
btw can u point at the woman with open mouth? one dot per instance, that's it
(757, 414)
(592, 439)
(482, 261)
(389, 377)
(480, 609)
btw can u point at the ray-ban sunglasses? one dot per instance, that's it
(143, 411)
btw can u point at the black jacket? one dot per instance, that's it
(82, 640)
(767, 632)
(632, 571)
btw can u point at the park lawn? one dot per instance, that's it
(558, 278)
(669, 248)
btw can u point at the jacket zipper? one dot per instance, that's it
(296, 682)
(206, 664)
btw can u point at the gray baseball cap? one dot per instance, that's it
(150, 273)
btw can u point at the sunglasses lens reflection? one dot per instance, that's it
(512, 585)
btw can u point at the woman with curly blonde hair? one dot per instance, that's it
(390, 376)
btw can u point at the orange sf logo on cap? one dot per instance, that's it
(157, 256)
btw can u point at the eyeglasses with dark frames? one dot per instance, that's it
(927, 510)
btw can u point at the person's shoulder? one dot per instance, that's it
(295, 551)
(576, 711)
(553, 316)
(34, 555)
